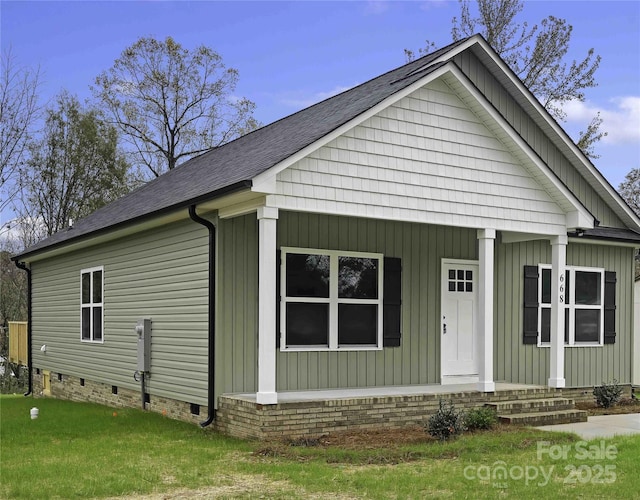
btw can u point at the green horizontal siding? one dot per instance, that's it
(161, 274)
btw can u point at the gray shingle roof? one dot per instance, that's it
(232, 166)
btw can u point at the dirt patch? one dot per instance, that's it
(362, 447)
(355, 440)
(624, 406)
(235, 486)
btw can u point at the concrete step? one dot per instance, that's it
(531, 405)
(545, 418)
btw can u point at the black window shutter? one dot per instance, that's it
(392, 302)
(278, 273)
(609, 307)
(530, 315)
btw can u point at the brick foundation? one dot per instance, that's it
(241, 417)
(71, 388)
(246, 419)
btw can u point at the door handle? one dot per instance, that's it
(444, 325)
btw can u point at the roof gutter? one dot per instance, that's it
(233, 188)
(23, 266)
(211, 314)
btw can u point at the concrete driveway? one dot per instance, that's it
(601, 426)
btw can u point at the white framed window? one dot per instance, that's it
(92, 304)
(331, 300)
(582, 298)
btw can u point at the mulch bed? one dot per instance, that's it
(625, 405)
(393, 439)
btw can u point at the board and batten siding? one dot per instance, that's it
(237, 305)
(428, 159)
(584, 366)
(421, 248)
(497, 95)
(161, 274)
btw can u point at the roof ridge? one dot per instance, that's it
(240, 160)
(432, 55)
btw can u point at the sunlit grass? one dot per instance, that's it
(76, 450)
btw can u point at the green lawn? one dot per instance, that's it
(84, 451)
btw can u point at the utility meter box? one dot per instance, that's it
(143, 331)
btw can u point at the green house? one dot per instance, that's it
(432, 226)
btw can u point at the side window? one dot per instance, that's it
(91, 304)
(582, 302)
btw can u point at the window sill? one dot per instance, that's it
(579, 344)
(329, 349)
(85, 341)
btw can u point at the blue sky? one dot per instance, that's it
(292, 54)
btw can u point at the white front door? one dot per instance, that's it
(459, 318)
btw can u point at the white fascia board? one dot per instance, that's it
(516, 237)
(544, 114)
(578, 220)
(235, 204)
(241, 208)
(579, 214)
(265, 182)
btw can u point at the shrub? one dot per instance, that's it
(480, 418)
(446, 421)
(607, 395)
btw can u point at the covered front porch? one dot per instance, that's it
(318, 412)
(426, 286)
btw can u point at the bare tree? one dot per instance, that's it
(172, 103)
(629, 189)
(536, 55)
(18, 110)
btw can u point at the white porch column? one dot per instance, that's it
(486, 239)
(635, 369)
(558, 288)
(267, 219)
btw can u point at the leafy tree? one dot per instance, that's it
(535, 54)
(13, 286)
(18, 110)
(74, 168)
(171, 103)
(13, 307)
(629, 189)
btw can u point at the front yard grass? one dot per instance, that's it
(77, 450)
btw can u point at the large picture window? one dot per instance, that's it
(331, 299)
(583, 304)
(91, 304)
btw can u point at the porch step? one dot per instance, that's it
(545, 418)
(531, 405)
(546, 411)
